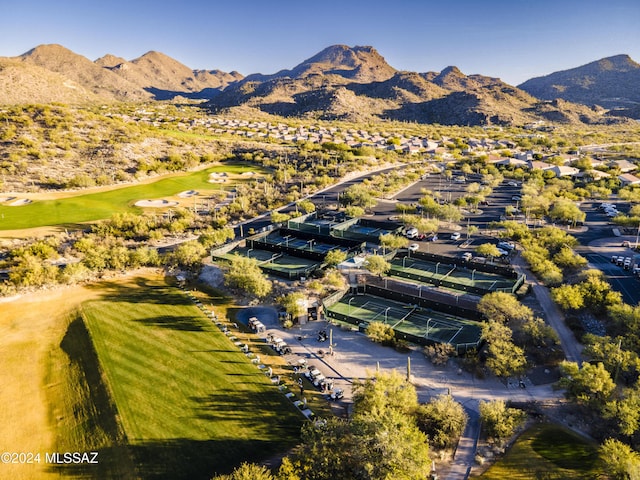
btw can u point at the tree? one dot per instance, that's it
(393, 242)
(214, 237)
(620, 460)
(591, 384)
(504, 308)
(335, 257)
(278, 217)
(566, 211)
(499, 421)
(354, 211)
(439, 353)
(504, 358)
(488, 250)
(377, 265)
(294, 303)
(31, 271)
(247, 471)
(245, 274)
(568, 259)
(189, 254)
(384, 391)
(443, 420)
(381, 441)
(380, 332)
(626, 413)
(307, 206)
(358, 195)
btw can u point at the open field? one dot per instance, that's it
(80, 208)
(189, 401)
(546, 451)
(43, 392)
(186, 391)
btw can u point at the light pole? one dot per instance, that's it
(350, 304)
(385, 314)
(637, 236)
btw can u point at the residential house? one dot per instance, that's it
(628, 179)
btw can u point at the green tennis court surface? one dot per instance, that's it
(419, 322)
(437, 272)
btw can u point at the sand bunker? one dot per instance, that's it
(218, 177)
(187, 194)
(6, 199)
(19, 202)
(155, 203)
(248, 174)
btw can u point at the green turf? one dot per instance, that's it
(547, 451)
(97, 206)
(190, 402)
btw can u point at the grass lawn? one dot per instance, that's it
(190, 402)
(547, 451)
(96, 206)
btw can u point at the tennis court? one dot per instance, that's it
(437, 273)
(420, 323)
(277, 263)
(290, 241)
(359, 232)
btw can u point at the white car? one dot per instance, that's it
(414, 247)
(455, 236)
(513, 184)
(412, 232)
(506, 245)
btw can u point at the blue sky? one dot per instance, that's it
(511, 39)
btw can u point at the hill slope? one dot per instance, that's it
(610, 82)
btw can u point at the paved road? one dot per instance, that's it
(553, 315)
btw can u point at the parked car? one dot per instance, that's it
(467, 256)
(414, 247)
(513, 184)
(506, 245)
(412, 232)
(516, 198)
(455, 236)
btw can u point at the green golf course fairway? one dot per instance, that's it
(97, 206)
(190, 402)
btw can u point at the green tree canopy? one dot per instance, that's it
(498, 420)
(392, 241)
(377, 265)
(620, 460)
(590, 384)
(380, 332)
(245, 274)
(335, 257)
(443, 420)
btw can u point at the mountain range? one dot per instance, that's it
(340, 82)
